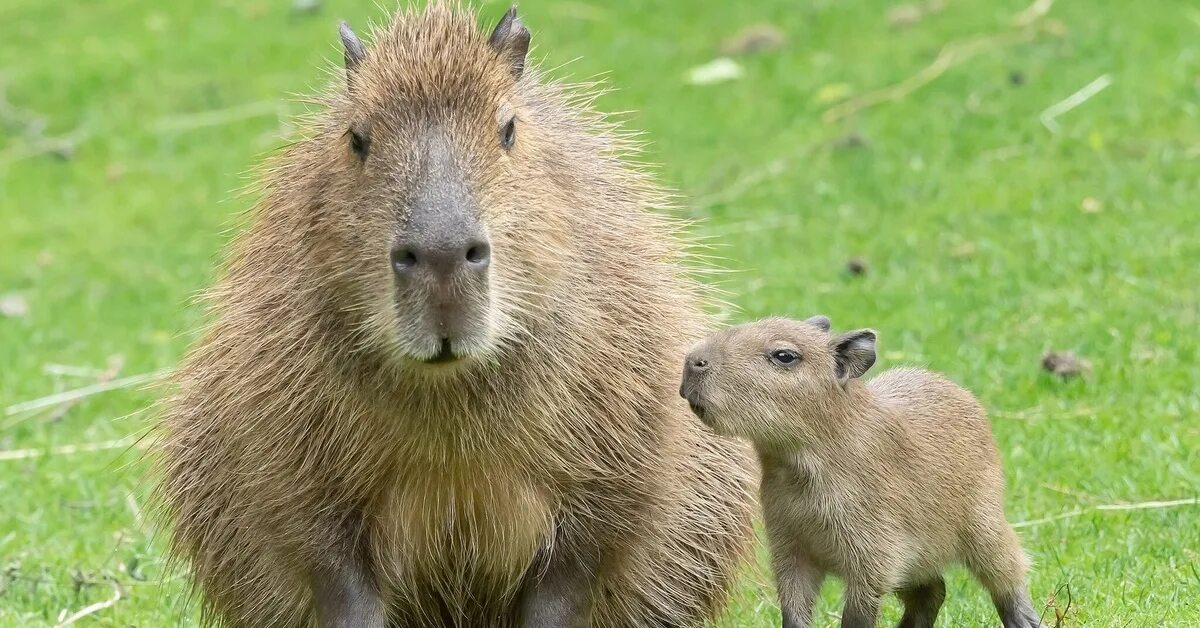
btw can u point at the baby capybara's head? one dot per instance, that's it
(746, 380)
(435, 187)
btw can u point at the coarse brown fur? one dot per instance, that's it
(302, 433)
(883, 482)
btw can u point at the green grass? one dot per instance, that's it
(967, 209)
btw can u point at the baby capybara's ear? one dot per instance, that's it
(510, 40)
(820, 321)
(853, 353)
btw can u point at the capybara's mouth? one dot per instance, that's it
(698, 410)
(445, 354)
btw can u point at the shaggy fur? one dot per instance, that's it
(299, 433)
(882, 483)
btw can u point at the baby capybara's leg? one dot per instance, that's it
(798, 581)
(994, 555)
(922, 603)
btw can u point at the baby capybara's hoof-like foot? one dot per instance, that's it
(1019, 614)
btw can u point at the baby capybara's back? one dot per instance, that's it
(950, 435)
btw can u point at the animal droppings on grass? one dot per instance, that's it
(753, 40)
(1016, 78)
(14, 306)
(850, 140)
(1065, 364)
(856, 266)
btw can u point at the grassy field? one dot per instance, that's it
(990, 235)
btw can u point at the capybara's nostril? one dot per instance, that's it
(693, 367)
(440, 260)
(479, 254)
(404, 260)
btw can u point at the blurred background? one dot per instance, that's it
(1007, 191)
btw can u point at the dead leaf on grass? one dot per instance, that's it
(966, 249)
(114, 171)
(306, 6)
(832, 92)
(906, 15)
(718, 70)
(14, 306)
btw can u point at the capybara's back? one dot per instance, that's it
(439, 382)
(950, 434)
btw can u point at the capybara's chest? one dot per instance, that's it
(458, 530)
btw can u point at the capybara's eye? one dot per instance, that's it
(508, 134)
(784, 357)
(359, 143)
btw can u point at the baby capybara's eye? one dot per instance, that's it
(508, 134)
(784, 357)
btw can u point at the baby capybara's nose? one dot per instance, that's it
(441, 261)
(693, 365)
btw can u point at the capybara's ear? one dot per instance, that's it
(510, 40)
(353, 50)
(854, 353)
(820, 321)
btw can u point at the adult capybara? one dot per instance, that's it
(439, 383)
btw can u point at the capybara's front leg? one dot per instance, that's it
(861, 609)
(559, 590)
(346, 596)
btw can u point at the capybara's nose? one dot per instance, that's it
(693, 366)
(442, 261)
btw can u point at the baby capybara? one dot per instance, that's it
(882, 483)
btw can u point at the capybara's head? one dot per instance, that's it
(746, 380)
(446, 186)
